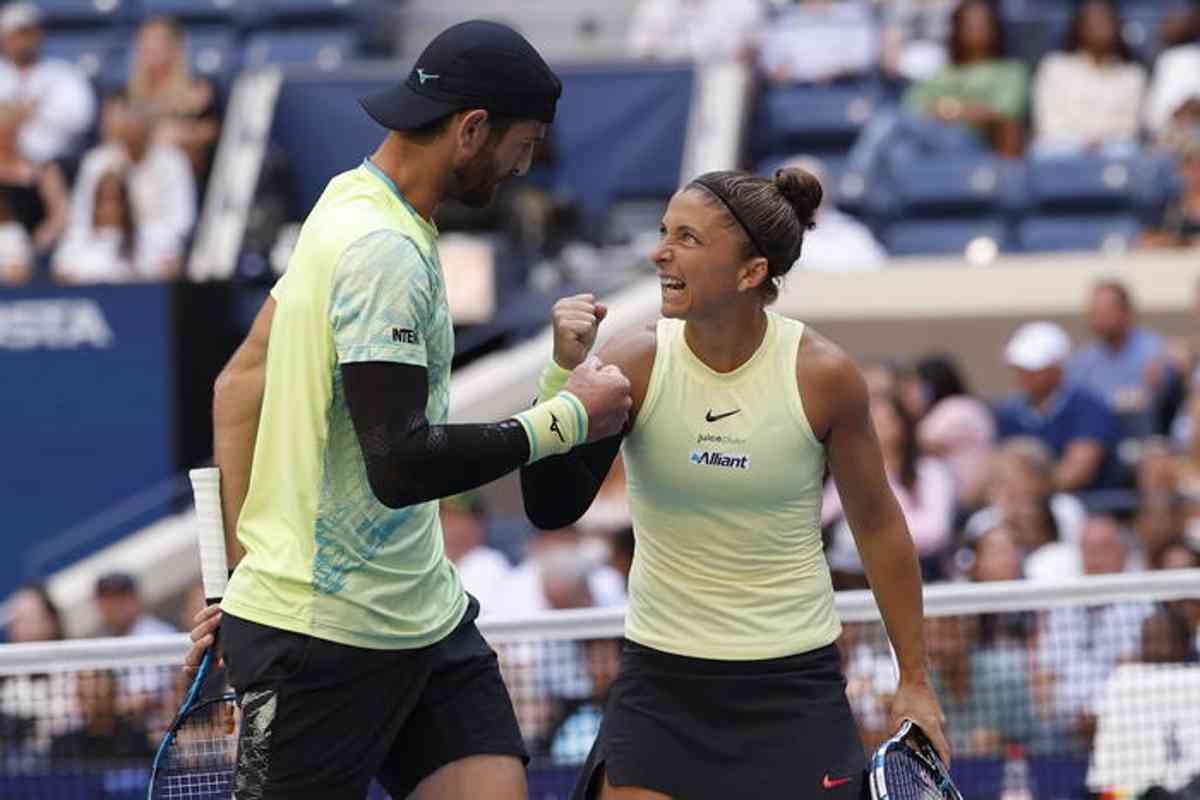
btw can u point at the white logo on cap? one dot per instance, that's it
(423, 76)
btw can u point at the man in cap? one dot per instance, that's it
(346, 630)
(54, 95)
(1077, 426)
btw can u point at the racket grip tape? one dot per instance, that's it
(210, 532)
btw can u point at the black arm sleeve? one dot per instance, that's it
(557, 490)
(410, 461)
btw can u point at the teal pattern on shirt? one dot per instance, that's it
(388, 303)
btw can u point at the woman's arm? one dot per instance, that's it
(840, 410)
(558, 490)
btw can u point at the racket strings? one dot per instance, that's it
(199, 761)
(908, 777)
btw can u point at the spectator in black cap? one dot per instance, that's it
(342, 590)
(122, 612)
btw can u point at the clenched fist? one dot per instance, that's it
(604, 392)
(576, 320)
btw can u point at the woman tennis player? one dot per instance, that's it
(730, 682)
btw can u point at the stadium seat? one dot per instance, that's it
(795, 119)
(1086, 182)
(191, 11)
(952, 184)
(84, 13)
(945, 236)
(213, 51)
(322, 47)
(86, 48)
(1107, 232)
(276, 12)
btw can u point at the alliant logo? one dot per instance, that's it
(710, 458)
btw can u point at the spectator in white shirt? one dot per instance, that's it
(161, 186)
(821, 40)
(1089, 95)
(1176, 81)
(58, 102)
(483, 570)
(705, 31)
(102, 251)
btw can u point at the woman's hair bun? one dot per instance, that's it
(803, 192)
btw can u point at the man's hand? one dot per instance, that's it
(604, 392)
(576, 320)
(915, 700)
(207, 622)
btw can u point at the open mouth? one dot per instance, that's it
(670, 284)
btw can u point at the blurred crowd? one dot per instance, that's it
(949, 64)
(99, 189)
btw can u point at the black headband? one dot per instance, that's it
(762, 251)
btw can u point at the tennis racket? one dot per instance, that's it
(906, 767)
(196, 758)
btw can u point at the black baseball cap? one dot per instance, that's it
(474, 64)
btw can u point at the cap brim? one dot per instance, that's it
(402, 109)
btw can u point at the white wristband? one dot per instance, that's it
(554, 426)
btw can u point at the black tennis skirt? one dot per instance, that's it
(700, 729)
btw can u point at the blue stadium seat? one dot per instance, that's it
(78, 13)
(213, 51)
(191, 11)
(87, 48)
(1097, 232)
(943, 236)
(1031, 34)
(274, 12)
(794, 119)
(322, 47)
(950, 184)
(1078, 183)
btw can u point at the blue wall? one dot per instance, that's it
(619, 130)
(86, 415)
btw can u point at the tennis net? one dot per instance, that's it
(1090, 685)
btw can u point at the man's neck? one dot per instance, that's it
(418, 170)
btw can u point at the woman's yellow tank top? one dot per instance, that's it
(725, 476)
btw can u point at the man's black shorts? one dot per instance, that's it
(320, 719)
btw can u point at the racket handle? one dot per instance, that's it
(210, 532)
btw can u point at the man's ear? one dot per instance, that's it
(472, 131)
